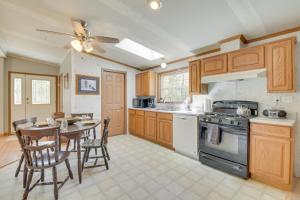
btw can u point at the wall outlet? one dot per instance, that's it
(276, 100)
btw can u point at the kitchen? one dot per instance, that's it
(150, 99)
(245, 127)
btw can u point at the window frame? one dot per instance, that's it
(164, 73)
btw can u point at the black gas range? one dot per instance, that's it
(224, 137)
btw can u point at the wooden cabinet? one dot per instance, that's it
(246, 59)
(272, 154)
(165, 129)
(280, 65)
(150, 125)
(138, 85)
(139, 123)
(195, 86)
(214, 65)
(131, 121)
(145, 84)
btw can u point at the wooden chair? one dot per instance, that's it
(16, 125)
(86, 134)
(41, 157)
(95, 144)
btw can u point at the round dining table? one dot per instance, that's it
(74, 131)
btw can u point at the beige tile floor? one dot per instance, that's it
(142, 170)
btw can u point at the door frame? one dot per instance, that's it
(9, 93)
(125, 95)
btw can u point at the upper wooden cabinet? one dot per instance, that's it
(214, 65)
(246, 59)
(195, 86)
(272, 154)
(145, 84)
(280, 65)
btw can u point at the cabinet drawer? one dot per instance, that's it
(131, 112)
(150, 114)
(277, 131)
(140, 112)
(166, 116)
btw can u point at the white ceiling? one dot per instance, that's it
(175, 30)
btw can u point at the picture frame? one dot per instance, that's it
(87, 85)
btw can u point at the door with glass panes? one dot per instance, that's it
(32, 96)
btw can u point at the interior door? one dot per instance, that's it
(32, 96)
(113, 101)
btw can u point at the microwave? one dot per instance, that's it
(142, 102)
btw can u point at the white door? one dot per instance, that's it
(32, 96)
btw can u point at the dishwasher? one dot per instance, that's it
(185, 135)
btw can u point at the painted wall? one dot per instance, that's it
(25, 65)
(66, 68)
(90, 65)
(1, 96)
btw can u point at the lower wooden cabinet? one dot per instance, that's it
(272, 155)
(150, 125)
(165, 129)
(153, 126)
(139, 123)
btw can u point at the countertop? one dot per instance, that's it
(283, 122)
(183, 112)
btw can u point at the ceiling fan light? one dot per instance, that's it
(76, 44)
(155, 4)
(88, 46)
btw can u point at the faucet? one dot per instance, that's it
(164, 99)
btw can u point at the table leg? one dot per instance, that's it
(79, 158)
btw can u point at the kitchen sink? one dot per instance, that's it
(168, 109)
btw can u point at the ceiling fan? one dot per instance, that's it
(82, 38)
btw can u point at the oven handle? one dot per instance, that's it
(231, 130)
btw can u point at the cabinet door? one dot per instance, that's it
(138, 85)
(150, 125)
(280, 66)
(148, 83)
(165, 131)
(132, 121)
(194, 74)
(270, 158)
(139, 125)
(214, 65)
(246, 59)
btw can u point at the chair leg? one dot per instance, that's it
(68, 144)
(25, 172)
(27, 188)
(75, 144)
(42, 175)
(94, 134)
(54, 174)
(104, 157)
(88, 154)
(69, 168)
(19, 166)
(84, 158)
(108, 157)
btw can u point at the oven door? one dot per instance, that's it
(233, 145)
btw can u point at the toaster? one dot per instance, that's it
(274, 113)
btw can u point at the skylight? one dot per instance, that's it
(138, 49)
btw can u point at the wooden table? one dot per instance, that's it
(74, 131)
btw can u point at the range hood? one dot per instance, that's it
(234, 76)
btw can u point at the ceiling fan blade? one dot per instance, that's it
(67, 46)
(78, 28)
(98, 49)
(55, 32)
(104, 39)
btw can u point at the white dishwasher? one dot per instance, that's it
(185, 134)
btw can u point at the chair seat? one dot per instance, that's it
(62, 156)
(91, 143)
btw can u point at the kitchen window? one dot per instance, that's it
(173, 86)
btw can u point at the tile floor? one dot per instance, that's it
(141, 170)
